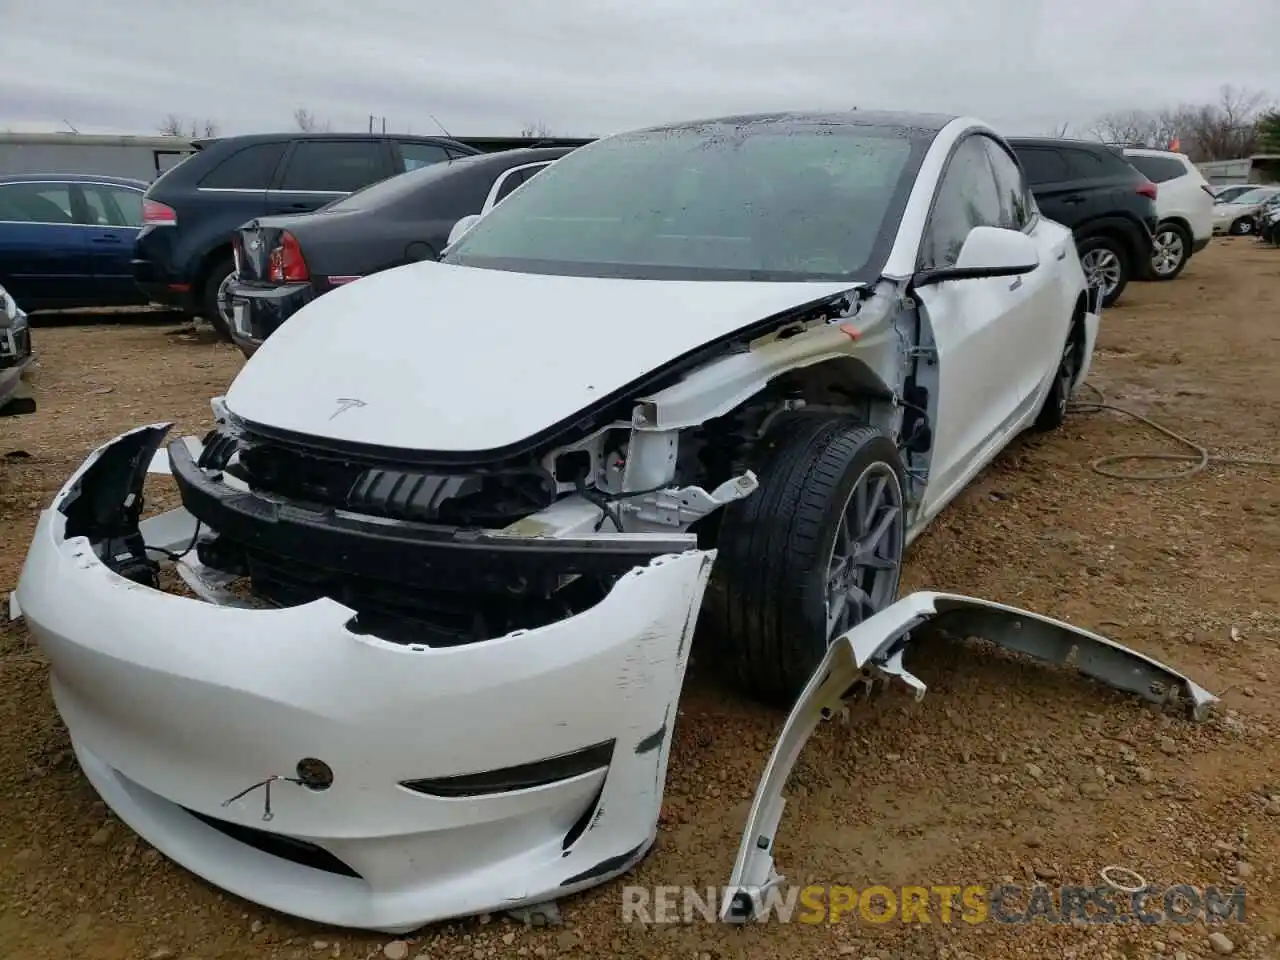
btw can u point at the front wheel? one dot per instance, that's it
(1242, 227)
(1106, 265)
(814, 551)
(1170, 251)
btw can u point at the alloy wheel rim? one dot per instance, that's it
(1102, 268)
(1168, 252)
(866, 553)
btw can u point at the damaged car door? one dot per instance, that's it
(981, 324)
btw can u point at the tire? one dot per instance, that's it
(1112, 260)
(217, 276)
(1242, 227)
(1054, 412)
(1172, 251)
(767, 600)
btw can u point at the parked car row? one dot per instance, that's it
(1239, 215)
(284, 262)
(1269, 222)
(711, 374)
(184, 255)
(248, 229)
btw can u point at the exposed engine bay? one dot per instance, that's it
(443, 550)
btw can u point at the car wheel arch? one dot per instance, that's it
(1111, 228)
(208, 260)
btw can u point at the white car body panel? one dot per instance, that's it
(185, 704)
(494, 356)
(202, 704)
(1182, 198)
(861, 662)
(987, 322)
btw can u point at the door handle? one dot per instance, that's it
(1017, 282)
(107, 240)
(1074, 198)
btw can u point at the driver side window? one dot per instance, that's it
(1016, 204)
(966, 199)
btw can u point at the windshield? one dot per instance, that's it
(1252, 196)
(712, 202)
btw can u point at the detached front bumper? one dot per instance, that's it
(338, 777)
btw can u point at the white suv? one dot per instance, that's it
(1184, 204)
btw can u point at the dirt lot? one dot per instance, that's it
(1003, 771)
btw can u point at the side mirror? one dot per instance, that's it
(461, 227)
(987, 252)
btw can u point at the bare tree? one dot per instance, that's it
(308, 123)
(1223, 130)
(1135, 128)
(535, 128)
(174, 126)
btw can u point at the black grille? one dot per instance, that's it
(301, 852)
(324, 478)
(442, 617)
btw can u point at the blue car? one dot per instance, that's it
(66, 240)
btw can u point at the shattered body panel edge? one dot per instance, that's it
(863, 659)
(180, 708)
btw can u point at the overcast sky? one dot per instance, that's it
(590, 67)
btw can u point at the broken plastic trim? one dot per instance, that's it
(407, 553)
(861, 660)
(525, 776)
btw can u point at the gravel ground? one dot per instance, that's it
(1005, 770)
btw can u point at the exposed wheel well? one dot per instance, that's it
(740, 439)
(1116, 235)
(1178, 222)
(214, 256)
(1076, 333)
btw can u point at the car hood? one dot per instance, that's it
(437, 357)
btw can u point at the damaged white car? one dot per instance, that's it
(450, 538)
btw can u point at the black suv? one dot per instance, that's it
(1109, 205)
(183, 256)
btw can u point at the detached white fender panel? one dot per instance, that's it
(860, 661)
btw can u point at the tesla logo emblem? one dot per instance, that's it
(345, 404)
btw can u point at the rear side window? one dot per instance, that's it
(1043, 165)
(112, 206)
(415, 155)
(35, 203)
(248, 169)
(1158, 169)
(1084, 165)
(333, 166)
